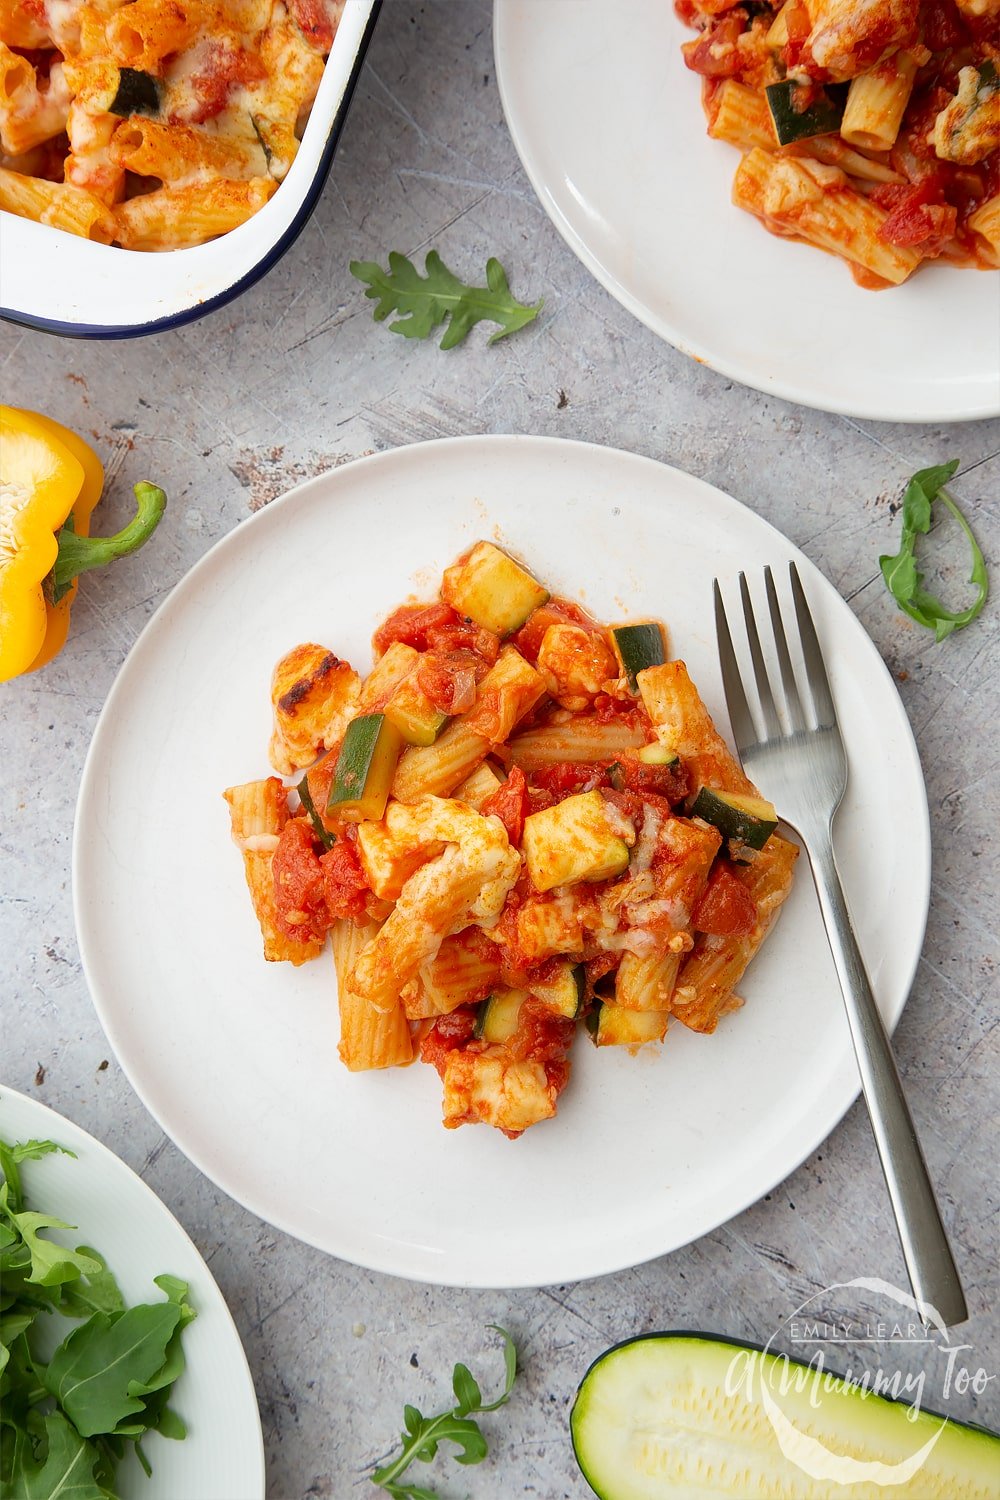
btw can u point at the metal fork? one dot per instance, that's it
(803, 770)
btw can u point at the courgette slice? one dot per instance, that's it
(411, 712)
(138, 93)
(563, 993)
(748, 820)
(678, 1414)
(658, 755)
(575, 840)
(497, 1017)
(638, 646)
(822, 116)
(365, 768)
(611, 1026)
(492, 589)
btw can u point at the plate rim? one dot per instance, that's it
(105, 1155)
(732, 369)
(378, 1259)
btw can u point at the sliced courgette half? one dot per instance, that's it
(638, 646)
(683, 1414)
(563, 992)
(611, 1026)
(497, 1017)
(748, 820)
(411, 712)
(658, 755)
(365, 768)
(138, 93)
(575, 840)
(492, 589)
(822, 116)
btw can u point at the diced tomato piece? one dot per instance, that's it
(671, 782)
(410, 624)
(449, 678)
(726, 907)
(510, 804)
(345, 886)
(569, 777)
(715, 54)
(298, 882)
(465, 635)
(448, 1033)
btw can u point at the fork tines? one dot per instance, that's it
(817, 710)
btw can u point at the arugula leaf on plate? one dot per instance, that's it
(426, 301)
(902, 576)
(66, 1471)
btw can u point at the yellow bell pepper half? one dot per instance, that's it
(50, 482)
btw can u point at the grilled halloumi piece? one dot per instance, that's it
(314, 695)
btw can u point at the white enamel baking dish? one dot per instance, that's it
(64, 284)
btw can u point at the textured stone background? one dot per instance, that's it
(295, 377)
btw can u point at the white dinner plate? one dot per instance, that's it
(222, 1457)
(237, 1058)
(608, 123)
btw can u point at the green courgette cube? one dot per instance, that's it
(747, 820)
(822, 116)
(638, 646)
(611, 1026)
(410, 711)
(563, 992)
(658, 755)
(497, 1018)
(492, 589)
(365, 768)
(138, 93)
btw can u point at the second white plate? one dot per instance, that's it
(222, 1457)
(607, 121)
(237, 1059)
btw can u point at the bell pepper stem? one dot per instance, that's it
(79, 553)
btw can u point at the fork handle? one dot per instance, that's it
(932, 1271)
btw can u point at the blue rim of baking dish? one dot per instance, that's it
(256, 272)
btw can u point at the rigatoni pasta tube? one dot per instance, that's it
(178, 153)
(58, 204)
(716, 964)
(171, 218)
(740, 115)
(369, 1038)
(876, 101)
(684, 724)
(806, 200)
(258, 810)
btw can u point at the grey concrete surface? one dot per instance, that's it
(295, 377)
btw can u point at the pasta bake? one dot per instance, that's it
(868, 128)
(520, 820)
(154, 124)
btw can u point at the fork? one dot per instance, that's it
(803, 769)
